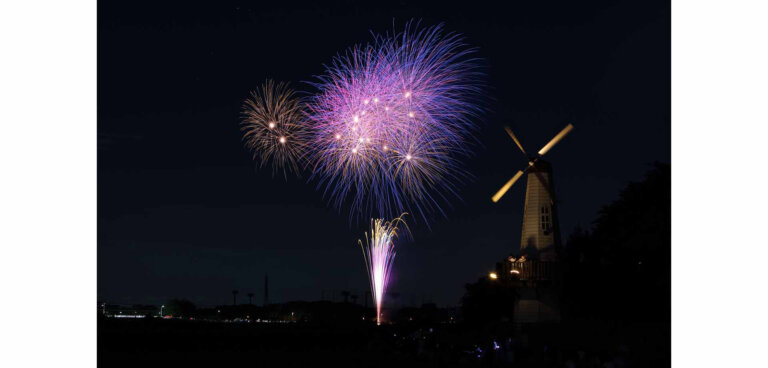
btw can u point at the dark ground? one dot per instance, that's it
(178, 343)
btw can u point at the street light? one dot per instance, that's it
(161, 310)
(493, 275)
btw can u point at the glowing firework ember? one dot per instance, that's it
(273, 128)
(379, 253)
(392, 121)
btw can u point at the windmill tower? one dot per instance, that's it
(541, 232)
(536, 280)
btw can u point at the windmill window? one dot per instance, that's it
(546, 219)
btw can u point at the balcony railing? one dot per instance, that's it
(529, 270)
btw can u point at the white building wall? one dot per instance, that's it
(536, 197)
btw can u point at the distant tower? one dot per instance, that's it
(266, 290)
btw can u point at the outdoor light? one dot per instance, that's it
(493, 275)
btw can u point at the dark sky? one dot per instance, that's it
(183, 211)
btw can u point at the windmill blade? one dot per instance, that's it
(506, 187)
(514, 138)
(556, 139)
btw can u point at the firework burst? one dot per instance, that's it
(379, 254)
(273, 127)
(392, 121)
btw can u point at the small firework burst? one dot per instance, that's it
(273, 127)
(379, 254)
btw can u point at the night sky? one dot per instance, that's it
(184, 212)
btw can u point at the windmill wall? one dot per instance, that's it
(537, 284)
(540, 236)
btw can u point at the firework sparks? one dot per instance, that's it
(392, 121)
(379, 254)
(273, 127)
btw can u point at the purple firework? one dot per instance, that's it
(392, 121)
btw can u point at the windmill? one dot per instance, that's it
(541, 232)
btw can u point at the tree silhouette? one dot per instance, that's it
(234, 297)
(250, 298)
(488, 301)
(621, 270)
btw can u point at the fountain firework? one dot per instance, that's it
(379, 254)
(392, 121)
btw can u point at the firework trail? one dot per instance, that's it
(379, 254)
(273, 127)
(392, 121)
